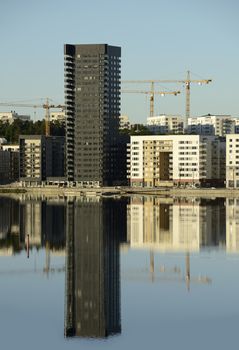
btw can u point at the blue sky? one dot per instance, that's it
(159, 40)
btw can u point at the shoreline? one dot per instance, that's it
(121, 191)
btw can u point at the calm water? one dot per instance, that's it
(137, 272)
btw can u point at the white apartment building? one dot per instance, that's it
(124, 122)
(156, 160)
(58, 117)
(219, 125)
(232, 161)
(166, 124)
(11, 116)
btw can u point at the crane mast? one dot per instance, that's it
(152, 93)
(187, 87)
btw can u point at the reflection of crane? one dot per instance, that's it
(152, 92)
(187, 278)
(48, 259)
(47, 269)
(188, 81)
(45, 105)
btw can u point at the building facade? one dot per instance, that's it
(58, 117)
(41, 158)
(232, 161)
(219, 125)
(175, 160)
(9, 117)
(9, 165)
(166, 124)
(124, 122)
(92, 99)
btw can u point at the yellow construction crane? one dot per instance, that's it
(47, 106)
(151, 92)
(188, 81)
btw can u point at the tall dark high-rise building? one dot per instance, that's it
(92, 98)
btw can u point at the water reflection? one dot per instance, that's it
(176, 224)
(43, 220)
(93, 230)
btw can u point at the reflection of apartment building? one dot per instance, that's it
(9, 219)
(219, 125)
(166, 124)
(175, 224)
(9, 226)
(42, 220)
(31, 222)
(174, 159)
(232, 225)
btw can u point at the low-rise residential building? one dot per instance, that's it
(41, 158)
(9, 117)
(166, 124)
(156, 160)
(209, 124)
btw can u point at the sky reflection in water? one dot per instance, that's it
(139, 272)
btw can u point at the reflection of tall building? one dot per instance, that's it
(92, 271)
(176, 224)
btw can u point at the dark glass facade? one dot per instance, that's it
(92, 98)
